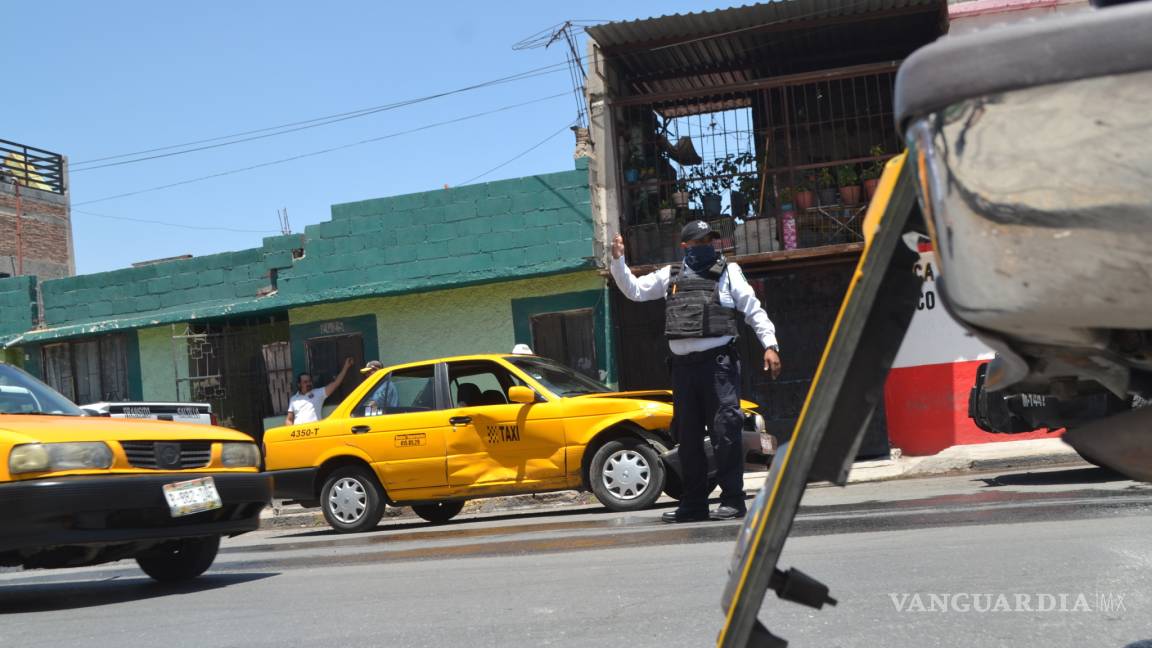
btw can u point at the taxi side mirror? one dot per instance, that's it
(520, 394)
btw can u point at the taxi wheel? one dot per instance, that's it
(179, 560)
(626, 474)
(438, 513)
(352, 500)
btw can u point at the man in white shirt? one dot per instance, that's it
(700, 324)
(306, 405)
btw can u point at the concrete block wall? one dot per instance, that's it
(17, 305)
(459, 236)
(214, 278)
(493, 231)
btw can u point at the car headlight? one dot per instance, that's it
(240, 455)
(45, 457)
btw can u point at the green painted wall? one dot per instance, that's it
(17, 305)
(474, 234)
(158, 367)
(448, 322)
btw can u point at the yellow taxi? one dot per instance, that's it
(436, 433)
(80, 490)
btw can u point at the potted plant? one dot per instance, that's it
(849, 184)
(707, 188)
(681, 196)
(803, 196)
(826, 187)
(667, 213)
(871, 172)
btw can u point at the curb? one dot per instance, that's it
(1008, 455)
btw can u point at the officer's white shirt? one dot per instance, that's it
(306, 407)
(735, 292)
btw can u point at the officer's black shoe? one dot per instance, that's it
(724, 512)
(672, 517)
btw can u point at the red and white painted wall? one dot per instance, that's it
(926, 396)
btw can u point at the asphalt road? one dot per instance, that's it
(913, 563)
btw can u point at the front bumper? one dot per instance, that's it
(73, 511)
(758, 448)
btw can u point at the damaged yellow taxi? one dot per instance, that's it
(434, 434)
(79, 490)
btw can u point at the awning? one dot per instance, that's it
(693, 51)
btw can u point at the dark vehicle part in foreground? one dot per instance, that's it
(1042, 231)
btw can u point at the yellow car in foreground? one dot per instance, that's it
(80, 490)
(434, 434)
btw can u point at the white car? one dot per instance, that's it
(200, 413)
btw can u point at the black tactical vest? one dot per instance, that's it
(693, 309)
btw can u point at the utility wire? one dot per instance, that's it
(171, 224)
(282, 129)
(521, 154)
(323, 151)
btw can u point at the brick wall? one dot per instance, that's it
(47, 231)
(466, 235)
(17, 305)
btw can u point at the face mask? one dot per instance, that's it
(700, 257)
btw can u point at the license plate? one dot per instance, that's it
(192, 496)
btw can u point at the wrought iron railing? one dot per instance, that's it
(31, 167)
(784, 163)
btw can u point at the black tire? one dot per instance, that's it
(179, 560)
(626, 474)
(674, 488)
(352, 500)
(439, 512)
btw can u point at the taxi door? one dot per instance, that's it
(400, 423)
(494, 445)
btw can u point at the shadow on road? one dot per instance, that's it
(1054, 477)
(462, 523)
(17, 597)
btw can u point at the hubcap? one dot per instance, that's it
(347, 500)
(626, 474)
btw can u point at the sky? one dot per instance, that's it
(91, 80)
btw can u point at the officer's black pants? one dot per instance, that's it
(706, 392)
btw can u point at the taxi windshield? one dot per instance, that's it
(557, 378)
(20, 393)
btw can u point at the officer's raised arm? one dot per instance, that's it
(651, 286)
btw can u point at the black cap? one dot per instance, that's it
(696, 230)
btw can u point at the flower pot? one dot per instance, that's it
(667, 215)
(711, 202)
(681, 199)
(739, 203)
(827, 196)
(870, 187)
(804, 200)
(850, 195)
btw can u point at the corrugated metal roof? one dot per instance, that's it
(686, 52)
(747, 18)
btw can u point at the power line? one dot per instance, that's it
(521, 154)
(282, 129)
(323, 151)
(171, 224)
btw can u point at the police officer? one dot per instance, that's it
(700, 324)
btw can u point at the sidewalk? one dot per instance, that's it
(1005, 455)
